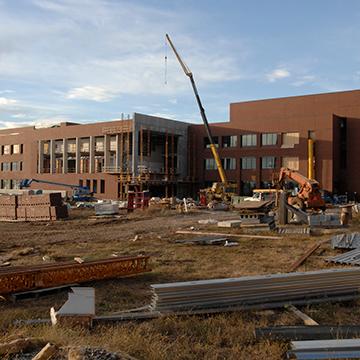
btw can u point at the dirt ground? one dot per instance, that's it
(221, 336)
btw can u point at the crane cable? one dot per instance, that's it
(165, 59)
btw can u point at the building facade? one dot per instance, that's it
(262, 136)
(317, 135)
(107, 157)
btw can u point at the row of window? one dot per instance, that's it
(93, 185)
(84, 145)
(11, 166)
(247, 140)
(11, 149)
(249, 163)
(9, 184)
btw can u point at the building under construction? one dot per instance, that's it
(144, 152)
(316, 135)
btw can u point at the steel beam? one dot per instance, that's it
(49, 275)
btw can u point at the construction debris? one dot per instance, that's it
(349, 258)
(324, 220)
(230, 235)
(38, 293)
(301, 230)
(208, 222)
(20, 345)
(26, 278)
(106, 208)
(305, 318)
(346, 241)
(46, 353)
(229, 223)
(325, 349)
(264, 291)
(78, 309)
(204, 240)
(308, 253)
(307, 332)
(42, 207)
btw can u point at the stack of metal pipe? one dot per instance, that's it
(265, 291)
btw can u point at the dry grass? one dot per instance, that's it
(222, 336)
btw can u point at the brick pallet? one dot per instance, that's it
(32, 207)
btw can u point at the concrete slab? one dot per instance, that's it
(229, 223)
(80, 302)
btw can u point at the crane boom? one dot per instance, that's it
(202, 112)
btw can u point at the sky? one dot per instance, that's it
(98, 60)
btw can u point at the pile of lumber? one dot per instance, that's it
(32, 207)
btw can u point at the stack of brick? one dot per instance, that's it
(8, 207)
(33, 207)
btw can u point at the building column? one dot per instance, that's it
(117, 156)
(40, 156)
(65, 163)
(52, 156)
(106, 152)
(135, 145)
(77, 156)
(92, 154)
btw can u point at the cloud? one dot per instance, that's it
(305, 79)
(94, 93)
(277, 74)
(6, 101)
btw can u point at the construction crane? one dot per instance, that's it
(80, 193)
(222, 190)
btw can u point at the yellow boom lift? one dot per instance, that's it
(219, 191)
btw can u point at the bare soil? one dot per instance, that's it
(221, 336)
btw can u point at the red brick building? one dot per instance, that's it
(264, 135)
(172, 157)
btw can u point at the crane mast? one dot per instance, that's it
(214, 151)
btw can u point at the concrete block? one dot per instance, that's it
(229, 223)
(106, 209)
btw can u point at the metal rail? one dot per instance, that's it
(49, 275)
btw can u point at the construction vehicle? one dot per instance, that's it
(79, 193)
(308, 196)
(219, 190)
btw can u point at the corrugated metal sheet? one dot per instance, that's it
(273, 290)
(346, 241)
(349, 258)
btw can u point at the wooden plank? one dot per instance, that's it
(309, 252)
(305, 318)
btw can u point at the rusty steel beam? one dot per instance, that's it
(49, 275)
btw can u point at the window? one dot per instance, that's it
(15, 166)
(289, 140)
(81, 182)
(247, 187)
(6, 166)
(88, 184)
(59, 146)
(248, 162)
(229, 141)
(71, 146)
(207, 142)
(7, 149)
(248, 140)
(95, 186)
(16, 149)
(113, 143)
(210, 164)
(102, 186)
(268, 162)
(291, 163)
(99, 144)
(85, 145)
(268, 139)
(228, 163)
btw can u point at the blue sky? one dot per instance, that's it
(91, 60)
